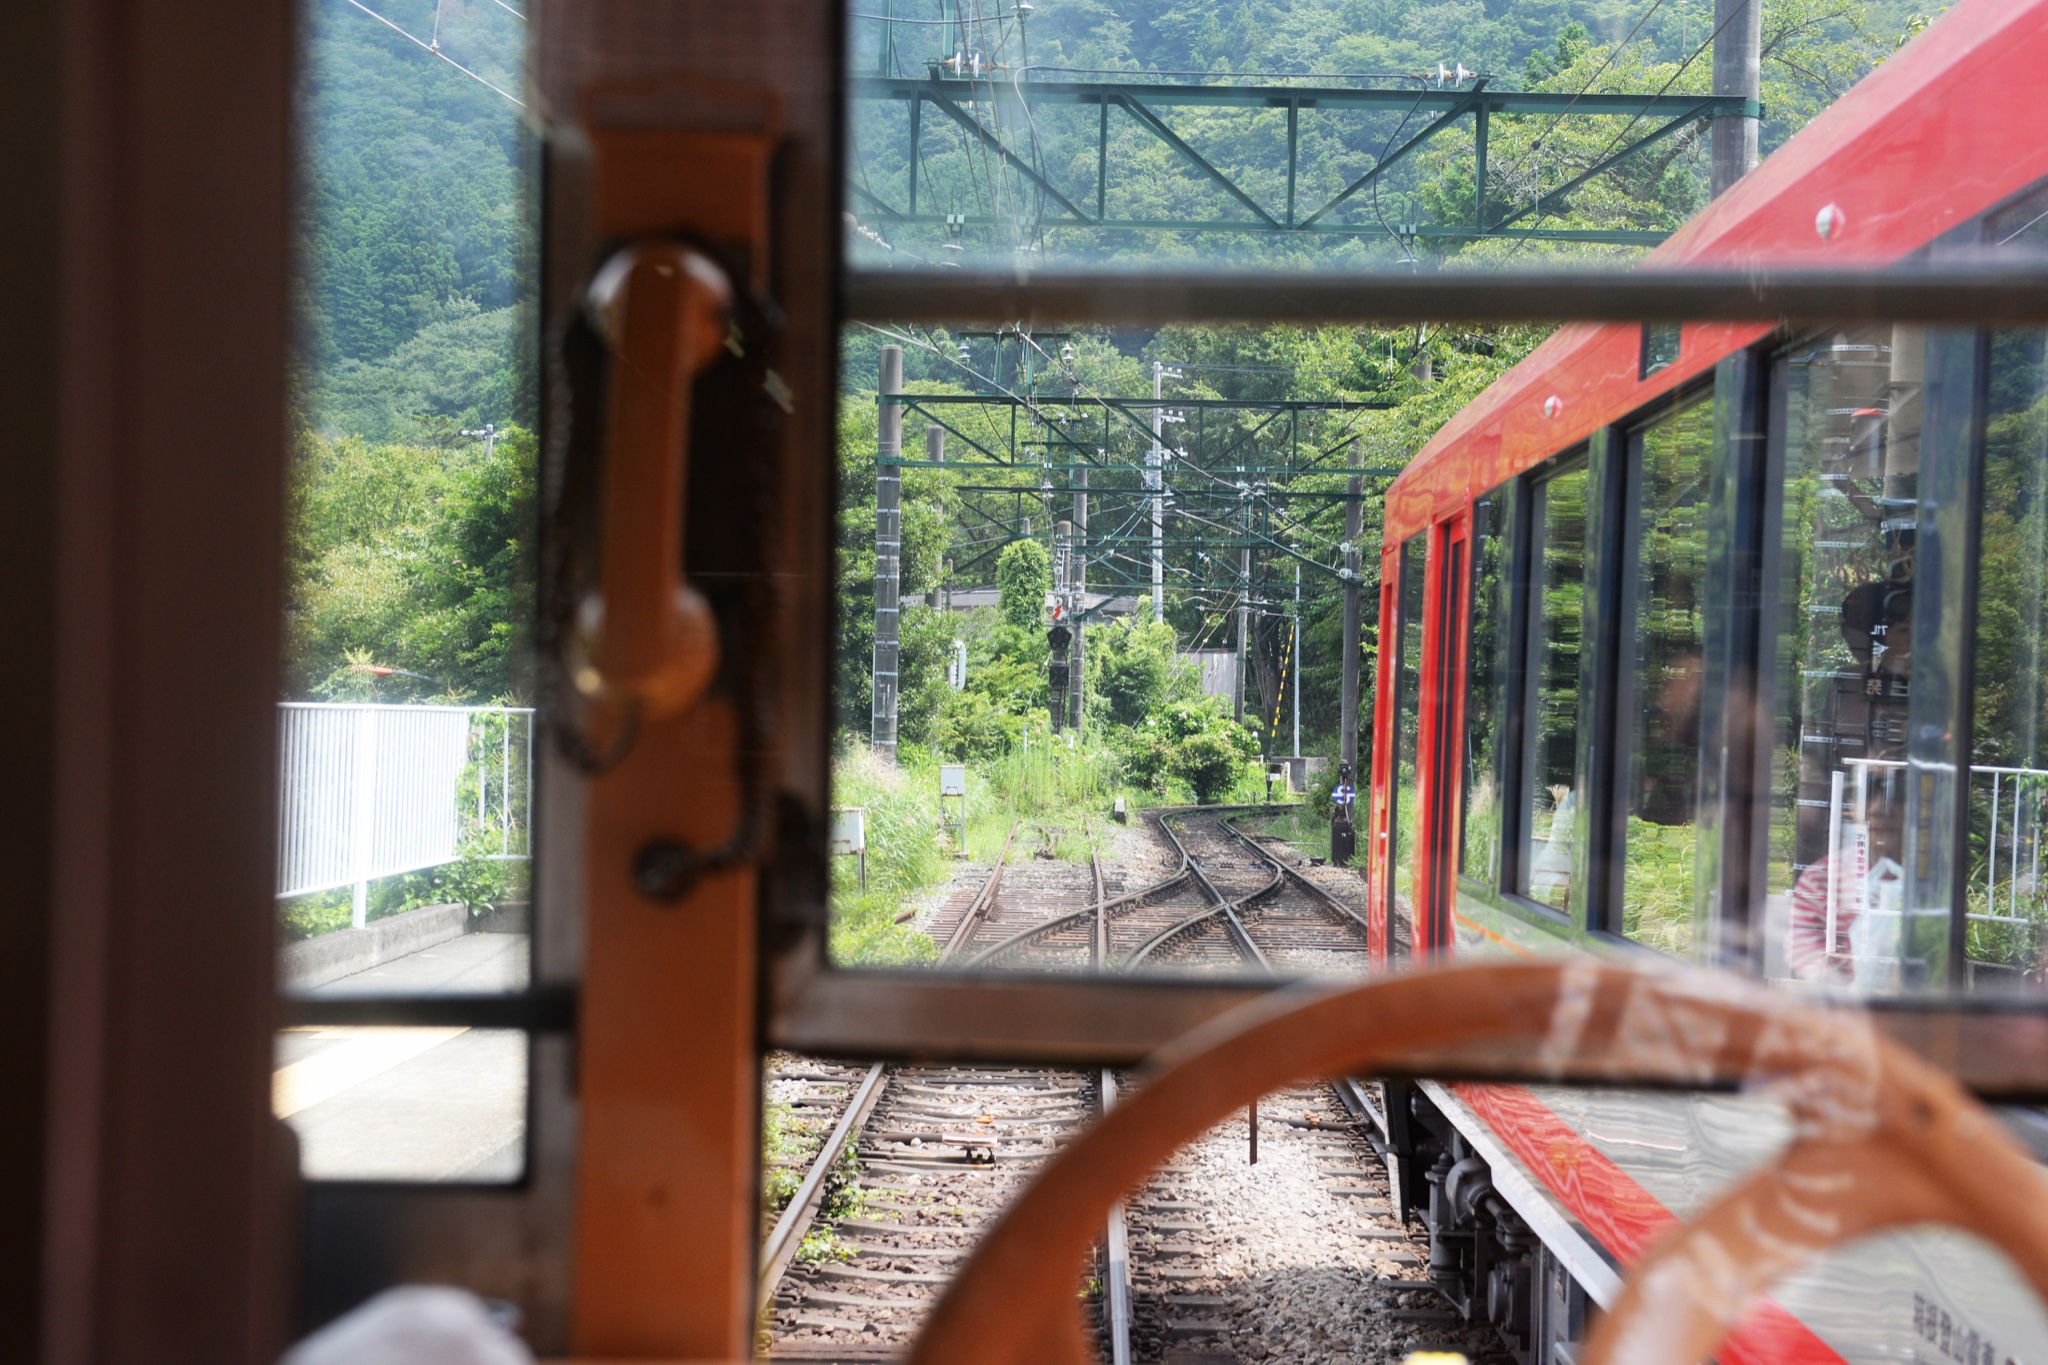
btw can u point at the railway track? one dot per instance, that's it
(941, 1150)
(1230, 902)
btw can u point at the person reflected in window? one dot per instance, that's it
(1861, 878)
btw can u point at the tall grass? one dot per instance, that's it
(907, 856)
(1060, 794)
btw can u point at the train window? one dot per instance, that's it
(2021, 226)
(409, 742)
(1850, 420)
(1406, 812)
(1550, 823)
(393, 1103)
(1490, 662)
(1659, 709)
(1660, 346)
(2007, 935)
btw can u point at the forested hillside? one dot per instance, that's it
(416, 222)
(1813, 50)
(413, 541)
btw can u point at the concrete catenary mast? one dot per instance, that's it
(1738, 71)
(888, 551)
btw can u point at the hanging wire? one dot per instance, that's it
(1638, 117)
(434, 49)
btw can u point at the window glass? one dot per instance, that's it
(2008, 912)
(1839, 822)
(2021, 226)
(1488, 660)
(406, 726)
(1407, 741)
(1661, 716)
(378, 1103)
(1558, 530)
(1071, 133)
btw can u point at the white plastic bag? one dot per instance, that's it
(415, 1324)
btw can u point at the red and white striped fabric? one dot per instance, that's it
(1806, 938)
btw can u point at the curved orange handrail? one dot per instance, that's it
(1882, 1139)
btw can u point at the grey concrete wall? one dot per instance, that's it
(317, 961)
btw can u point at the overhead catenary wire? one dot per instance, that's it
(1557, 119)
(1636, 118)
(434, 50)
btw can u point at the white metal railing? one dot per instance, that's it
(2014, 832)
(368, 791)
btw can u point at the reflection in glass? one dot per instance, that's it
(404, 1103)
(1662, 723)
(1407, 739)
(1838, 844)
(1558, 525)
(2008, 912)
(1489, 658)
(1060, 135)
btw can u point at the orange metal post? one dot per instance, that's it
(668, 1079)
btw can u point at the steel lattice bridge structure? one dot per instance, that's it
(958, 100)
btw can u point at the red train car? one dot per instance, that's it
(1715, 642)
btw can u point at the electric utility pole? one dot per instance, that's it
(1294, 650)
(1155, 459)
(888, 550)
(1738, 70)
(1078, 576)
(1244, 599)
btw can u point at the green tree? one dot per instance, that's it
(1133, 670)
(413, 557)
(1023, 578)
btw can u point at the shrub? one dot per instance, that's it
(970, 728)
(1134, 669)
(1192, 741)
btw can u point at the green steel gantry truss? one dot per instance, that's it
(957, 100)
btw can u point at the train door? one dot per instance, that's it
(1416, 792)
(1444, 608)
(1386, 705)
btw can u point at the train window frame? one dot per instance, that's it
(1566, 918)
(1504, 692)
(1620, 562)
(810, 1005)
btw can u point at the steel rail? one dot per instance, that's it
(1337, 907)
(1984, 294)
(1116, 1246)
(984, 899)
(1099, 912)
(802, 1210)
(1117, 1253)
(1224, 907)
(1100, 953)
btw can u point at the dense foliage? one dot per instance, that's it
(413, 531)
(416, 226)
(412, 557)
(1812, 51)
